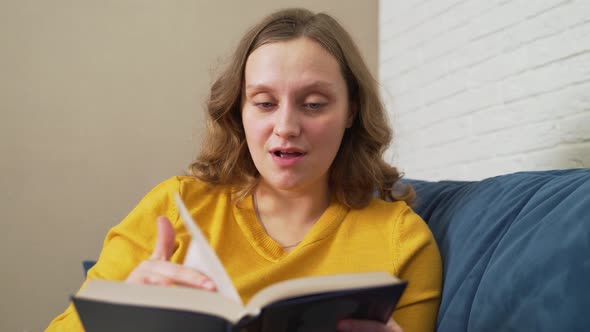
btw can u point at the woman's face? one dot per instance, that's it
(294, 113)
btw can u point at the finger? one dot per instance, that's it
(180, 275)
(162, 280)
(156, 279)
(205, 283)
(183, 276)
(393, 326)
(165, 240)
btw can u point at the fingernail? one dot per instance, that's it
(208, 284)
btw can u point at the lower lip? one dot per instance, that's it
(286, 161)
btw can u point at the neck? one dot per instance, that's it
(288, 216)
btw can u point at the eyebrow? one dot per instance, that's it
(313, 86)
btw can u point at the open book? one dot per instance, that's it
(302, 304)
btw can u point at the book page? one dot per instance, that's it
(201, 257)
(163, 297)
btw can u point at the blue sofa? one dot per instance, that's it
(515, 250)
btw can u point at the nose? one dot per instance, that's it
(287, 122)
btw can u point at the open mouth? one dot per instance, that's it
(286, 154)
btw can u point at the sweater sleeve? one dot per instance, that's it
(129, 243)
(418, 261)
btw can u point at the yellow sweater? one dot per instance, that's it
(382, 237)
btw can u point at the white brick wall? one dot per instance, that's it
(477, 88)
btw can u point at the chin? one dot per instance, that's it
(294, 184)
(293, 181)
(286, 184)
(290, 186)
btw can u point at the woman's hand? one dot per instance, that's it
(158, 270)
(357, 325)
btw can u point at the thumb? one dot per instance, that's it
(165, 240)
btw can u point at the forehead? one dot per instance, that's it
(298, 61)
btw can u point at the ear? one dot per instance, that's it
(351, 115)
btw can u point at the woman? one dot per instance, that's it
(284, 184)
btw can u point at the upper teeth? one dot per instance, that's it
(285, 152)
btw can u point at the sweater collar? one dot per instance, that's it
(245, 217)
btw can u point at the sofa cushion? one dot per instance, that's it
(515, 250)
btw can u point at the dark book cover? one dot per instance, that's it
(99, 316)
(319, 312)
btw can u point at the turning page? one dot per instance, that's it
(201, 257)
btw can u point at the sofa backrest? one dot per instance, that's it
(515, 250)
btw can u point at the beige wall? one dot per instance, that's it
(100, 101)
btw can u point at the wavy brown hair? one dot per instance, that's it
(358, 169)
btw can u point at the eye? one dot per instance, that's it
(264, 105)
(313, 106)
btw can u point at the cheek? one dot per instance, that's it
(328, 135)
(255, 130)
